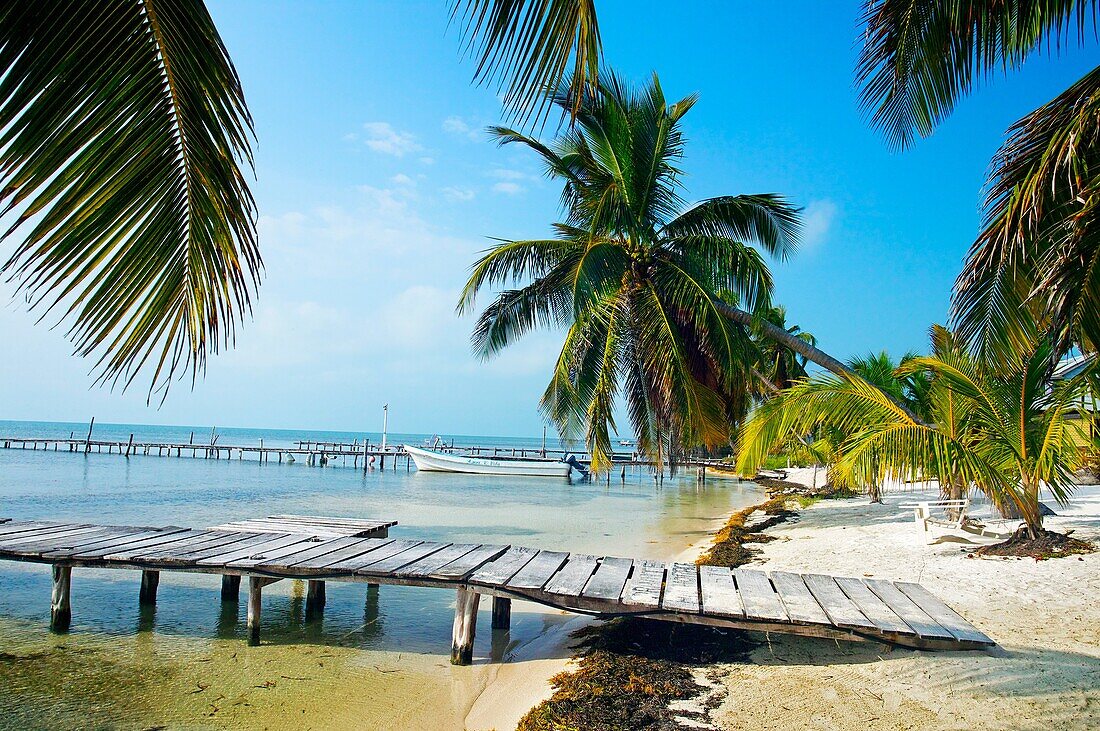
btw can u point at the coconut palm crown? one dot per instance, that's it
(632, 274)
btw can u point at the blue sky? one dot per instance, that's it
(376, 189)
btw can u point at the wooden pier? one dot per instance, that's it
(355, 454)
(851, 609)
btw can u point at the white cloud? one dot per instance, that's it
(427, 160)
(402, 179)
(456, 195)
(382, 137)
(508, 188)
(457, 126)
(817, 221)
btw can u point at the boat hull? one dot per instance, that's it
(429, 461)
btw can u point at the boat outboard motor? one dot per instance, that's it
(571, 460)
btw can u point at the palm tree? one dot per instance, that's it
(633, 274)
(123, 131)
(1036, 262)
(1005, 432)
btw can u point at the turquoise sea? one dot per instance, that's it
(373, 661)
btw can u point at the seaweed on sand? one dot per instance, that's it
(628, 673)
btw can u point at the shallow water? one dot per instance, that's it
(377, 659)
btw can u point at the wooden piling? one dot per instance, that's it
(255, 596)
(465, 626)
(88, 440)
(231, 588)
(60, 609)
(150, 580)
(502, 612)
(315, 597)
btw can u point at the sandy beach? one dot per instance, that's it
(1044, 615)
(516, 687)
(1044, 675)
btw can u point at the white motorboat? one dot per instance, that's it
(431, 461)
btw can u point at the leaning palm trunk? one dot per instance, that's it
(784, 338)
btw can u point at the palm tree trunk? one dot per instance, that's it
(807, 351)
(785, 339)
(1033, 516)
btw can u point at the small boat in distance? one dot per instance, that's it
(430, 461)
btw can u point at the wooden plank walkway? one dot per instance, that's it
(313, 525)
(815, 605)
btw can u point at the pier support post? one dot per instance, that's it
(465, 625)
(150, 580)
(60, 611)
(231, 588)
(502, 612)
(315, 598)
(255, 596)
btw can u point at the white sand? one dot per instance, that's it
(1045, 615)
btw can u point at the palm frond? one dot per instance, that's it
(919, 56)
(123, 126)
(766, 219)
(1039, 249)
(524, 47)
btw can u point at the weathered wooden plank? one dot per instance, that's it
(129, 551)
(391, 548)
(337, 549)
(22, 526)
(271, 554)
(249, 542)
(71, 542)
(719, 592)
(682, 588)
(183, 550)
(108, 544)
(759, 597)
(571, 578)
(538, 570)
(609, 579)
(409, 555)
(944, 615)
(905, 608)
(348, 559)
(435, 561)
(31, 536)
(472, 561)
(842, 611)
(360, 523)
(872, 607)
(643, 588)
(498, 571)
(261, 525)
(797, 599)
(241, 551)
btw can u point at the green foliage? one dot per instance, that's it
(1035, 267)
(525, 48)
(633, 275)
(1004, 432)
(119, 159)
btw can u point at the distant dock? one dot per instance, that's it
(363, 454)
